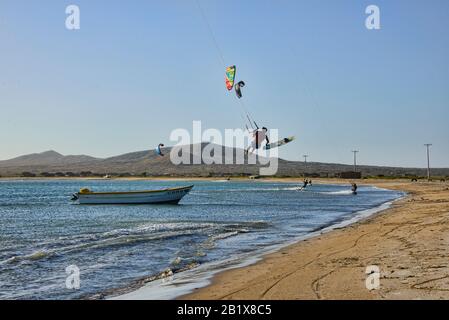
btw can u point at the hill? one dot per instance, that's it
(147, 162)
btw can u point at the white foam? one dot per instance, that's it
(341, 192)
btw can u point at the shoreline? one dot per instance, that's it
(182, 284)
(407, 242)
(294, 179)
(180, 287)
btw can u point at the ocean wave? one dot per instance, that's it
(340, 192)
(130, 236)
(292, 188)
(99, 244)
(229, 231)
(165, 275)
(36, 255)
(254, 224)
(159, 227)
(225, 235)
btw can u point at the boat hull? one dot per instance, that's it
(164, 196)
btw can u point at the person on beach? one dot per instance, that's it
(258, 136)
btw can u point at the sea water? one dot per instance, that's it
(114, 246)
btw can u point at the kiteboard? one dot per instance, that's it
(278, 143)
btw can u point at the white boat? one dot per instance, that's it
(168, 195)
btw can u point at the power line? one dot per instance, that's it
(251, 121)
(305, 164)
(211, 33)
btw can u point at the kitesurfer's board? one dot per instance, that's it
(278, 143)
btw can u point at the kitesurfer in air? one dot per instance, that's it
(257, 138)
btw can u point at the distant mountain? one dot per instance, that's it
(47, 158)
(147, 162)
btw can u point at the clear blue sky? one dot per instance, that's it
(138, 69)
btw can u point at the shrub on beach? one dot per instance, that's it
(27, 174)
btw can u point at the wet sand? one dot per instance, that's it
(408, 242)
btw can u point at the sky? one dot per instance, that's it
(137, 70)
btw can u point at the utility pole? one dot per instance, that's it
(305, 158)
(428, 145)
(355, 159)
(305, 163)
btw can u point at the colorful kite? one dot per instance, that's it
(230, 77)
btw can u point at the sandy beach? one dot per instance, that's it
(408, 242)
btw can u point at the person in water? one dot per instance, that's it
(258, 136)
(354, 188)
(306, 182)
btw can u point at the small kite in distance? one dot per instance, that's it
(238, 90)
(159, 150)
